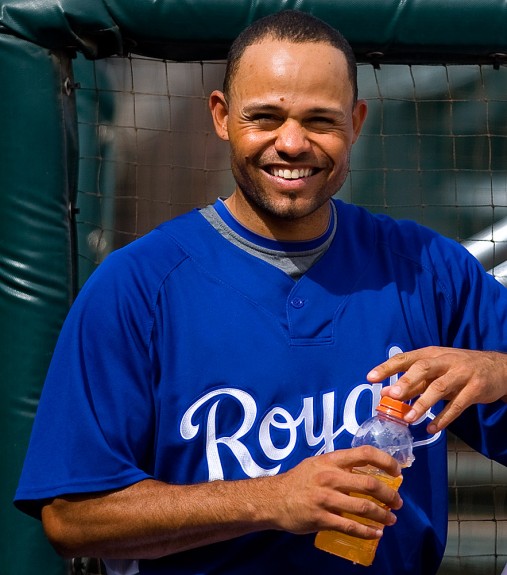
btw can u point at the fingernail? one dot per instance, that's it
(432, 428)
(374, 374)
(411, 415)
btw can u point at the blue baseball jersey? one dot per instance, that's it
(187, 359)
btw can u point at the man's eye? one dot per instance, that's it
(267, 122)
(320, 122)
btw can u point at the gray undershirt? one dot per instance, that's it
(294, 264)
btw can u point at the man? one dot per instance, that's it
(198, 412)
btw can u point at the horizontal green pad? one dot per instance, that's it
(388, 31)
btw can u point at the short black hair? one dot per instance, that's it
(294, 26)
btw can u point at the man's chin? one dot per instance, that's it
(292, 209)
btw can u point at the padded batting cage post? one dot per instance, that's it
(38, 158)
(38, 167)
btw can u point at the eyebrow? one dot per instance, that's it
(263, 107)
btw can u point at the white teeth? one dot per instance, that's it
(291, 174)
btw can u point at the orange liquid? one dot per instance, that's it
(355, 549)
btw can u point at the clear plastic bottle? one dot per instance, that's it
(389, 432)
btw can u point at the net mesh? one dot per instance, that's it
(432, 150)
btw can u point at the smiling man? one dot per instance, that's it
(210, 376)
(291, 124)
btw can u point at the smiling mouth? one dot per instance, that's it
(293, 174)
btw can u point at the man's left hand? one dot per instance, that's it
(459, 376)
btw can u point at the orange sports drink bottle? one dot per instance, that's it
(387, 431)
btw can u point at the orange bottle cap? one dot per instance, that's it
(393, 407)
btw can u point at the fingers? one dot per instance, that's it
(323, 493)
(451, 411)
(400, 362)
(460, 377)
(377, 485)
(363, 456)
(422, 377)
(418, 366)
(358, 503)
(451, 387)
(360, 517)
(367, 498)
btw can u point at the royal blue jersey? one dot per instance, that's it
(187, 359)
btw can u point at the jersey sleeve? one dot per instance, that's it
(478, 320)
(468, 309)
(95, 422)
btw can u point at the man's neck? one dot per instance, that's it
(276, 228)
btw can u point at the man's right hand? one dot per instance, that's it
(314, 495)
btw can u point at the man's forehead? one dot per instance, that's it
(285, 58)
(291, 67)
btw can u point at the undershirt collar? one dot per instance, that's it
(293, 258)
(270, 244)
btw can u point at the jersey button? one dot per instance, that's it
(297, 302)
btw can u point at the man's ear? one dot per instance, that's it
(219, 113)
(358, 117)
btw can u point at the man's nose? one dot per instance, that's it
(292, 138)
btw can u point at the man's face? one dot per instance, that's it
(291, 123)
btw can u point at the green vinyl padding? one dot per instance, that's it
(36, 165)
(203, 29)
